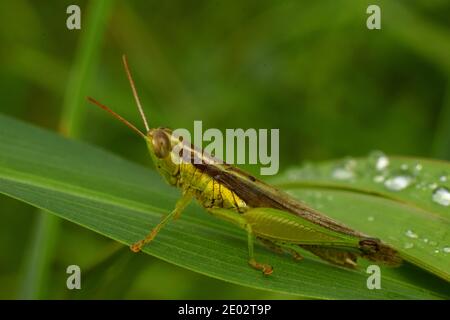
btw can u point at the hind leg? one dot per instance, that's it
(280, 248)
(240, 221)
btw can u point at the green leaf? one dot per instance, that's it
(408, 219)
(417, 225)
(121, 200)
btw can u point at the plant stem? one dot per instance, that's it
(39, 256)
(90, 40)
(42, 247)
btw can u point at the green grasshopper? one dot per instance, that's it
(280, 222)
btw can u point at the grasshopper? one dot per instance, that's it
(278, 221)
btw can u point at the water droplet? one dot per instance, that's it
(408, 245)
(404, 166)
(378, 179)
(443, 178)
(411, 234)
(379, 160)
(398, 183)
(370, 219)
(432, 186)
(446, 249)
(425, 240)
(436, 251)
(344, 175)
(418, 167)
(345, 171)
(441, 196)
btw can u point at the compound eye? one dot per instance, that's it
(161, 144)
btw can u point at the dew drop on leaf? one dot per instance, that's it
(411, 234)
(342, 174)
(418, 168)
(379, 160)
(345, 171)
(398, 183)
(441, 196)
(432, 186)
(408, 245)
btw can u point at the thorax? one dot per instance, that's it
(209, 192)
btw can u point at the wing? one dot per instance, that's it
(256, 193)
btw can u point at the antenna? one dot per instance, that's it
(133, 88)
(126, 122)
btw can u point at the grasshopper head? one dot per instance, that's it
(160, 144)
(160, 141)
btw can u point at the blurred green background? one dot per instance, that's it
(310, 68)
